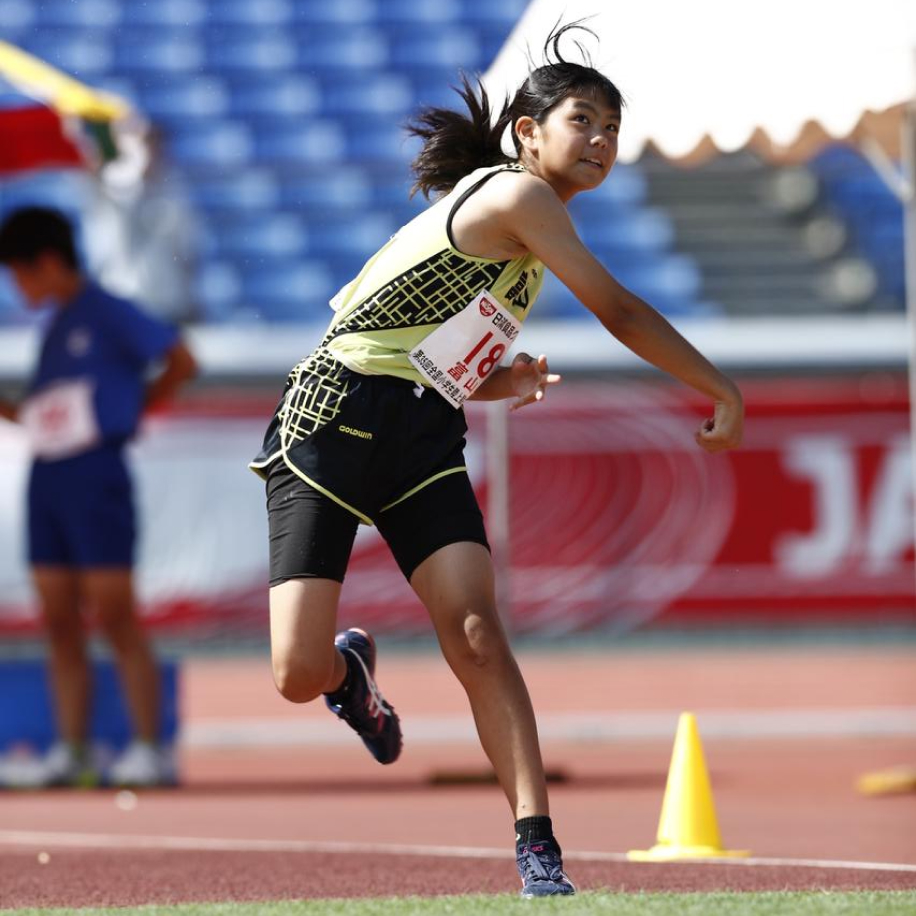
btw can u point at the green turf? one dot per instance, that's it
(887, 903)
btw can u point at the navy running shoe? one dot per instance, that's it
(359, 703)
(540, 866)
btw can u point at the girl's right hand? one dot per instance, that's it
(530, 378)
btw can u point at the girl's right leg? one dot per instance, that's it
(311, 537)
(310, 542)
(303, 617)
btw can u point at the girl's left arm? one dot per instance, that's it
(537, 219)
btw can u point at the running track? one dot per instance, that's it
(281, 802)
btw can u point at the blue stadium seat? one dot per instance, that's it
(95, 14)
(339, 13)
(218, 144)
(185, 97)
(359, 94)
(298, 145)
(168, 13)
(260, 237)
(638, 229)
(81, 53)
(294, 293)
(247, 12)
(492, 12)
(434, 89)
(160, 51)
(218, 290)
(872, 212)
(357, 49)
(358, 238)
(18, 16)
(457, 48)
(380, 141)
(346, 189)
(274, 95)
(252, 53)
(674, 276)
(410, 13)
(249, 190)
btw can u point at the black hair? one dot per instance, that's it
(29, 232)
(455, 144)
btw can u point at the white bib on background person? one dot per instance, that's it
(60, 420)
(463, 351)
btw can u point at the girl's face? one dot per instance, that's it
(576, 146)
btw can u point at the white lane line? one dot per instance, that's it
(899, 721)
(52, 839)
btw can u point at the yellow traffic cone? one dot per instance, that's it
(687, 828)
(893, 781)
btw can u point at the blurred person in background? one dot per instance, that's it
(82, 406)
(370, 428)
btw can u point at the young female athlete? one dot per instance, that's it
(370, 427)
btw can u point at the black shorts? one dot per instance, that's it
(311, 536)
(392, 454)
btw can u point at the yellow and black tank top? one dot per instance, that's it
(413, 284)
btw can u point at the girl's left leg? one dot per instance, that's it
(456, 585)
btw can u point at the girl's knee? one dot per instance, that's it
(298, 682)
(477, 642)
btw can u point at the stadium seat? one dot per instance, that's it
(95, 14)
(633, 229)
(18, 16)
(278, 96)
(457, 48)
(410, 13)
(297, 293)
(185, 97)
(165, 13)
(218, 289)
(251, 53)
(88, 54)
(357, 238)
(246, 12)
(219, 144)
(871, 211)
(358, 49)
(380, 141)
(487, 12)
(353, 94)
(347, 189)
(346, 13)
(161, 51)
(297, 145)
(250, 190)
(260, 237)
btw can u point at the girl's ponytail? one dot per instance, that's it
(455, 144)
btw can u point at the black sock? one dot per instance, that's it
(531, 829)
(344, 688)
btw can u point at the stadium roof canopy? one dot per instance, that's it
(715, 75)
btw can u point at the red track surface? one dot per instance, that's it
(786, 797)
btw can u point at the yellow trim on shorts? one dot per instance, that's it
(363, 518)
(425, 483)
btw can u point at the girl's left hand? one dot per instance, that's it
(530, 378)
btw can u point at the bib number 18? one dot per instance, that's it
(490, 361)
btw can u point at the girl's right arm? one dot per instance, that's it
(535, 217)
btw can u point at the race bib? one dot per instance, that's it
(60, 420)
(463, 351)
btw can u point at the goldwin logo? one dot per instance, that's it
(359, 433)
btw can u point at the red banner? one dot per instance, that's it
(617, 518)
